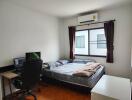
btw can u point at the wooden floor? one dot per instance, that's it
(57, 92)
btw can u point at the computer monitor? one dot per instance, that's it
(18, 63)
(32, 56)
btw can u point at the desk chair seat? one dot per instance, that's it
(29, 78)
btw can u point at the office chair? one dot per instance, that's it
(29, 78)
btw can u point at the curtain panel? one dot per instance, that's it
(72, 31)
(109, 33)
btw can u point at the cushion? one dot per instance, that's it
(63, 61)
(54, 64)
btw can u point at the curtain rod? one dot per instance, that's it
(96, 22)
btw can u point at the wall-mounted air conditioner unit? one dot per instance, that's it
(88, 18)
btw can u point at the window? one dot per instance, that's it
(101, 41)
(80, 41)
(91, 42)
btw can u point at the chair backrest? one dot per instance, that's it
(31, 73)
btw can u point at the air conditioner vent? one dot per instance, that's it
(88, 18)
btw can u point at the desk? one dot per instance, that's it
(112, 88)
(9, 76)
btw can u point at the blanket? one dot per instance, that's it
(87, 70)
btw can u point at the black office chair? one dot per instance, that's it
(29, 78)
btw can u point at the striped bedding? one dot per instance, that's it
(65, 73)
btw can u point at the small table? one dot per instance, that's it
(111, 88)
(9, 76)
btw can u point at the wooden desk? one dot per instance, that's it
(112, 88)
(9, 76)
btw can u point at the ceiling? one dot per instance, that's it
(66, 8)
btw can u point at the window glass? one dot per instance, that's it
(81, 42)
(90, 42)
(101, 41)
(97, 42)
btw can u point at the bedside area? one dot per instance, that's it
(112, 88)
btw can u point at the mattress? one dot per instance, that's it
(64, 73)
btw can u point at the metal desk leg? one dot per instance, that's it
(10, 88)
(3, 87)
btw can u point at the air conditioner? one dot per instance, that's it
(88, 18)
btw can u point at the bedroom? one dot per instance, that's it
(43, 26)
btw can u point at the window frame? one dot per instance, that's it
(89, 43)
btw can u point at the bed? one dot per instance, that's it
(65, 72)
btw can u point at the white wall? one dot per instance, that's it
(24, 30)
(122, 39)
(131, 45)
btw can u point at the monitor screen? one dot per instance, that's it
(18, 62)
(31, 56)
